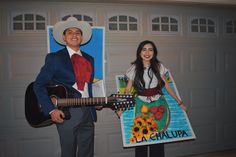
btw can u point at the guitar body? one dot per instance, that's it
(33, 111)
(62, 98)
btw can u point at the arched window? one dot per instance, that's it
(165, 24)
(203, 25)
(28, 22)
(230, 27)
(123, 23)
(80, 18)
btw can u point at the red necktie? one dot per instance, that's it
(82, 69)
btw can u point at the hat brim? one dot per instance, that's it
(61, 26)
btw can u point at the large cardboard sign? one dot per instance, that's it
(95, 48)
(144, 125)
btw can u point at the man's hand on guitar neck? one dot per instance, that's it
(57, 116)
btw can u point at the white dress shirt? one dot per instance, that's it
(84, 93)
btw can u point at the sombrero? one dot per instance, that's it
(61, 26)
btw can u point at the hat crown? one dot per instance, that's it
(72, 19)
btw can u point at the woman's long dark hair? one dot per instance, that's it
(139, 83)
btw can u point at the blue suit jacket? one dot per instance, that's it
(58, 69)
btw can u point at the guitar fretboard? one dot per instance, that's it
(97, 101)
(84, 101)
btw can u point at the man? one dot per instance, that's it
(75, 125)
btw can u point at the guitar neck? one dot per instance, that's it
(95, 101)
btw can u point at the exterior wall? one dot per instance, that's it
(203, 67)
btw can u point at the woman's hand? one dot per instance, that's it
(126, 91)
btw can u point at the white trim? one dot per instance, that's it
(14, 14)
(203, 34)
(127, 14)
(233, 34)
(167, 33)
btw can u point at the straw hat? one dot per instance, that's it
(61, 26)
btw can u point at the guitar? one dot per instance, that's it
(60, 97)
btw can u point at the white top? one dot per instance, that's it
(147, 75)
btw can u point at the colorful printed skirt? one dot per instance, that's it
(150, 118)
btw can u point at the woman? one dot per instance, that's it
(147, 76)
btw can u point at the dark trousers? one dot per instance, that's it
(155, 150)
(77, 134)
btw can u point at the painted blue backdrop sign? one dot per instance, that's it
(95, 48)
(150, 123)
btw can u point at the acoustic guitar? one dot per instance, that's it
(60, 97)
